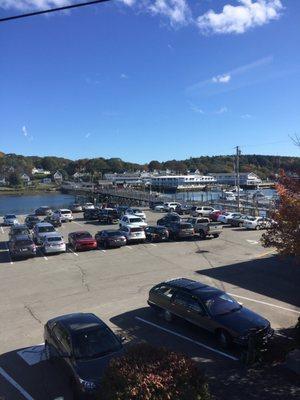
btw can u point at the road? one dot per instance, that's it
(114, 285)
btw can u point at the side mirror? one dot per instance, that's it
(240, 303)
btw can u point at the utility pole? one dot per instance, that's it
(237, 175)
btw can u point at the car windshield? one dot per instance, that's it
(222, 304)
(251, 218)
(11, 216)
(132, 220)
(54, 239)
(24, 242)
(117, 233)
(43, 229)
(83, 235)
(185, 226)
(95, 343)
(21, 231)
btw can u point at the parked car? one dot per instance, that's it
(209, 308)
(133, 233)
(44, 210)
(257, 223)
(168, 219)
(31, 220)
(238, 220)
(54, 243)
(223, 218)
(160, 207)
(110, 238)
(88, 206)
(10, 219)
(91, 214)
(108, 216)
(181, 230)
(202, 211)
(76, 208)
(82, 240)
(53, 220)
(156, 233)
(83, 345)
(183, 209)
(64, 214)
(153, 204)
(203, 227)
(171, 206)
(132, 220)
(215, 214)
(19, 229)
(137, 212)
(121, 210)
(41, 230)
(21, 246)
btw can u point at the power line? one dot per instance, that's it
(50, 10)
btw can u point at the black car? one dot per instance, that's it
(91, 214)
(31, 220)
(83, 345)
(156, 233)
(183, 209)
(108, 216)
(169, 219)
(44, 210)
(181, 230)
(211, 309)
(17, 230)
(110, 238)
(54, 220)
(21, 246)
(153, 204)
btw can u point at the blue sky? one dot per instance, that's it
(151, 79)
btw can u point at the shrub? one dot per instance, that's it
(150, 373)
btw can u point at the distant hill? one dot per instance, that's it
(264, 166)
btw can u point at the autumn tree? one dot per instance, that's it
(284, 234)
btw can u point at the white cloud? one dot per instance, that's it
(24, 131)
(124, 76)
(87, 135)
(178, 11)
(196, 109)
(222, 110)
(32, 4)
(221, 78)
(246, 116)
(240, 18)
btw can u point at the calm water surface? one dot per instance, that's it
(11, 204)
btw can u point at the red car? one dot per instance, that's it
(82, 240)
(214, 215)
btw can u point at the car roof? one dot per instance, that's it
(22, 226)
(43, 224)
(22, 237)
(198, 289)
(78, 321)
(54, 234)
(132, 216)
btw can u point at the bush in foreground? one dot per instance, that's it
(150, 373)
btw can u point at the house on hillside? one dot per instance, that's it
(40, 171)
(25, 179)
(58, 177)
(2, 181)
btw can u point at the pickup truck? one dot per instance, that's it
(203, 227)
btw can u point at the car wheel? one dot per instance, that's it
(257, 227)
(201, 235)
(240, 224)
(223, 339)
(215, 236)
(168, 317)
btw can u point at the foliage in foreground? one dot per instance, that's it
(150, 373)
(285, 233)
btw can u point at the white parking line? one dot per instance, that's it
(73, 252)
(103, 251)
(188, 339)
(152, 244)
(15, 384)
(265, 303)
(128, 247)
(42, 254)
(252, 241)
(2, 230)
(77, 223)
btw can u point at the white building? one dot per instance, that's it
(40, 171)
(181, 181)
(58, 177)
(246, 178)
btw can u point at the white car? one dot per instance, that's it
(257, 223)
(132, 221)
(159, 208)
(137, 212)
(10, 219)
(202, 211)
(133, 233)
(226, 216)
(88, 206)
(41, 230)
(53, 243)
(171, 206)
(63, 214)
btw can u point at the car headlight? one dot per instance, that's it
(87, 385)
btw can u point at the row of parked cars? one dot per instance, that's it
(84, 345)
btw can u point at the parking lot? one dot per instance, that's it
(114, 284)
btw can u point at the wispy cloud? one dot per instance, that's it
(246, 116)
(124, 76)
(196, 109)
(221, 78)
(177, 11)
(91, 81)
(221, 110)
(87, 135)
(238, 19)
(33, 4)
(26, 133)
(228, 76)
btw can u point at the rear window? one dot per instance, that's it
(117, 233)
(136, 229)
(185, 226)
(10, 216)
(65, 211)
(54, 239)
(133, 220)
(83, 235)
(43, 229)
(24, 242)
